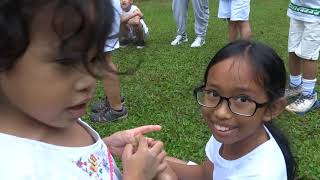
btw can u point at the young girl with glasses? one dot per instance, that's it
(243, 91)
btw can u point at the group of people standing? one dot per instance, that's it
(130, 27)
(303, 45)
(235, 12)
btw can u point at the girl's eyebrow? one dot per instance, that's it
(239, 89)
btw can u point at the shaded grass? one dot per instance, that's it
(159, 87)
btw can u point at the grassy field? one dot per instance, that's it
(160, 80)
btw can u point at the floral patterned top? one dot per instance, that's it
(27, 159)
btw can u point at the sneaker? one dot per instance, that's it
(198, 42)
(124, 42)
(179, 39)
(303, 104)
(103, 104)
(139, 44)
(293, 91)
(109, 115)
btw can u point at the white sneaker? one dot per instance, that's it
(293, 91)
(179, 39)
(303, 104)
(198, 42)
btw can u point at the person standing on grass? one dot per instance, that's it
(51, 52)
(243, 91)
(237, 13)
(303, 47)
(133, 27)
(201, 15)
(111, 108)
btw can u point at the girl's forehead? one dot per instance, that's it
(235, 66)
(234, 73)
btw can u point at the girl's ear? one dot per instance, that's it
(275, 109)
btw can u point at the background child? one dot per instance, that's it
(111, 108)
(303, 47)
(201, 16)
(49, 54)
(237, 12)
(244, 142)
(133, 26)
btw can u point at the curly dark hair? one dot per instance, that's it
(90, 22)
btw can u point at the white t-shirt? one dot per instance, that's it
(304, 10)
(265, 162)
(26, 159)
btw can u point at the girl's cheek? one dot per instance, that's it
(206, 114)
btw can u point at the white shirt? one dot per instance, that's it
(304, 10)
(26, 159)
(265, 162)
(127, 13)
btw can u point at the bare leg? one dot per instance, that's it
(124, 31)
(111, 84)
(138, 31)
(309, 69)
(245, 30)
(233, 31)
(294, 64)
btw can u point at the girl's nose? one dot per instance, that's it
(222, 111)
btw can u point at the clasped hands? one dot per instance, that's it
(143, 162)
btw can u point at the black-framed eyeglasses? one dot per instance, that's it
(241, 105)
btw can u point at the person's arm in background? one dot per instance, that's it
(134, 17)
(191, 172)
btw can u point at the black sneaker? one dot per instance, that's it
(104, 104)
(124, 42)
(109, 115)
(139, 44)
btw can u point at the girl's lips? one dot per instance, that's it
(223, 131)
(78, 110)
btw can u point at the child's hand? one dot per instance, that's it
(167, 174)
(145, 163)
(117, 141)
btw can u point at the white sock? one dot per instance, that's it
(308, 86)
(295, 80)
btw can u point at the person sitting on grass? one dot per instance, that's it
(133, 27)
(243, 91)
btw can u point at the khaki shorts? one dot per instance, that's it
(304, 39)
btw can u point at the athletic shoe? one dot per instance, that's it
(179, 39)
(293, 91)
(198, 42)
(124, 43)
(109, 115)
(103, 104)
(303, 104)
(139, 44)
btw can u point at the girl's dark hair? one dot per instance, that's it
(85, 21)
(270, 72)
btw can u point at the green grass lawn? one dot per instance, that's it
(161, 78)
